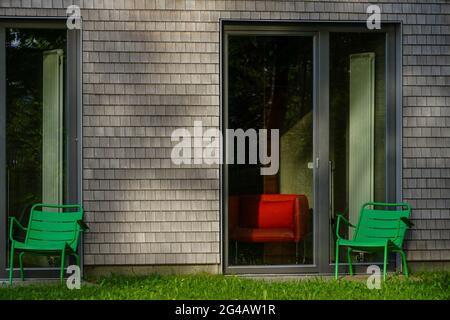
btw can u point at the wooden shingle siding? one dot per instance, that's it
(152, 66)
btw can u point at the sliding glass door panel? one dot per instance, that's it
(358, 117)
(270, 88)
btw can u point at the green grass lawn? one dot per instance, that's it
(430, 285)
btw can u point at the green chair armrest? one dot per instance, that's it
(338, 224)
(407, 222)
(341, 217)
(83, 225)
(12, 221)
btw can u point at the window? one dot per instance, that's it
(332, 92)
(270, 81)
(39, 105)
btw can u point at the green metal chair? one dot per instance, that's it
(377, 230)
(49, 233)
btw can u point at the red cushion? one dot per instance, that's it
(263, 235)
(268, 217)
(276, 214)
(278, 197)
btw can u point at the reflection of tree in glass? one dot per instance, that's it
(271, 83)
(270, 86)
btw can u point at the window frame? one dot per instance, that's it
(393, 74)
(73, 123)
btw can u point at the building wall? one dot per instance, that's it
(152, 66)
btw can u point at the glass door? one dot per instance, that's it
(35, 105)
(331, 94)
(38, 129)
(361, 135)
(270, 165)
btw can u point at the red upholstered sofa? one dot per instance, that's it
(268, 218)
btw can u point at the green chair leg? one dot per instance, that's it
(63, 255)
(385, 261)
(336, 275)
(11, 265)
(405, 267)
(349, 258)
(21, 265)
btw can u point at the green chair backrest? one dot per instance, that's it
(55, 225)
(382, 224)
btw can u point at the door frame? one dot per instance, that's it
(73, 123)
(320, 31)
(268, 31)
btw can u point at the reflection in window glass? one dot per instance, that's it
(270, 87)
(35, 62)
(357, 128)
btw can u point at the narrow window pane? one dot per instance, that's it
(35, 135)
(357, 128)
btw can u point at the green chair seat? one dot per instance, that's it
(376, 230)
(362, 244)
(51, 232)
(44, 246)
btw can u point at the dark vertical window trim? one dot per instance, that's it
(391, 177)
(79, 63)
(399, 119)
(225, 238)
(3, 217)
(399, 109)
(74, 122)
(71, 102)
(222, 118)
(321, 197)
